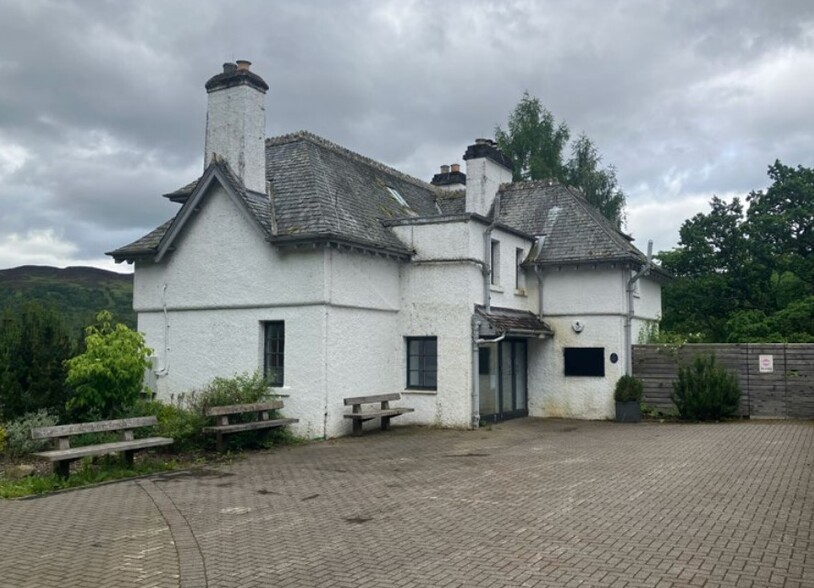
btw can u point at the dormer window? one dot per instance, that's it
(397, 197)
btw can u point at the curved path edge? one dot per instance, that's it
(192, 568)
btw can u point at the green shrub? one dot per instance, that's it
(183, 418)
(705, 391)
(18, 433)
(240, 389)
(182, 424)
(2, 439)
(107, 380)
(628, 389)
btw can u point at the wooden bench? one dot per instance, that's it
(384, 412)
(262, 409)
(64, 454)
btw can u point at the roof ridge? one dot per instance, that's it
(344, 151)
(531, 184)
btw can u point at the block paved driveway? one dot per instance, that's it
(528, 503)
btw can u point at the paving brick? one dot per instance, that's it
(525, 503)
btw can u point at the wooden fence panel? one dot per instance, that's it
(766, 390)
(800, 380)
(785, 391)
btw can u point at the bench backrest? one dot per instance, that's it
(376, 398)
(95, 427)
(241, 408)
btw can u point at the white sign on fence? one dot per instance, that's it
(766, 364)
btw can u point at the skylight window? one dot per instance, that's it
(397, 197)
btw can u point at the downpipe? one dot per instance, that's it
(644, 271)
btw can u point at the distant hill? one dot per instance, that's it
(78, 293)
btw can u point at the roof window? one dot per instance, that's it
(398, 197)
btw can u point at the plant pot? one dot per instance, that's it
(628, 412)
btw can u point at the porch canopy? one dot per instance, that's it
(499, 321)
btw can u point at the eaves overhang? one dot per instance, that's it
(454, 218)
(332, 241)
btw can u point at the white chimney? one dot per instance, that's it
(486, 169)
(236, 123)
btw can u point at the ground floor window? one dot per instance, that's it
(274, 352)
(422, 362)
(584, 361)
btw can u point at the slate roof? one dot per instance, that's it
(452, 201)
(146, 246)
(507, 320)
(153, 242)
(320, 191)
(575, 231)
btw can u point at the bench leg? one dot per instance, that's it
(127, 458)
(62, 468)
(386, 423)
(219, 445)
(357, 427)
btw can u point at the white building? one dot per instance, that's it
(474, 297)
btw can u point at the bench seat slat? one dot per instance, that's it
(375, 398)
(240, 408)
(96, 427)
(250, 426)
(377, 413)
(102, 449)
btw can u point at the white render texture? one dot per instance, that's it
(596, 298)
(483, 178)
(236, 131)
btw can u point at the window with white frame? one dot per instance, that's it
(494, 262)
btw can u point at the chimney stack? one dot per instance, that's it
(450, 178)
(487, 167)
(236, 123)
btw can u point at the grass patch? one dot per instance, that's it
(106, 469)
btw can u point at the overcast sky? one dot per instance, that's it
(102, 105)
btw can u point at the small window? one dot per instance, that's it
(520, 276)
(397, 197)
(494, 262)
(422, 362)
(585, 361)
(274, 353)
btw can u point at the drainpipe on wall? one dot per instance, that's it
(165, 365)
(629, 316)
(539, 273)
(475, 373)
(476, 342)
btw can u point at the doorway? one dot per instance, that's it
(503, 380)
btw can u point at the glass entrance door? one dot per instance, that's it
(503, 390)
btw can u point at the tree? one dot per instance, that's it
(747, 275)
(108, 378)
(599, 185)
(781, 222)
(34, 345)
(535, 143)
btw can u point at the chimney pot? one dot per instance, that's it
(456, 167)
(444, 169)
(243, 65)
(229, 67)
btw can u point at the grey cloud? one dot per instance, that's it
(670, 91)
